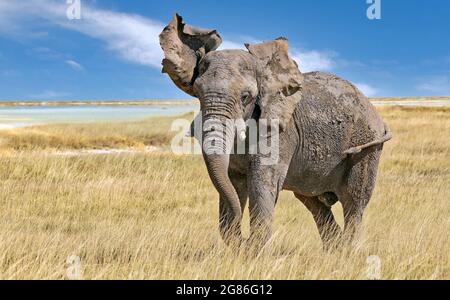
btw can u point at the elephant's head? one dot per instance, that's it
(262, 83)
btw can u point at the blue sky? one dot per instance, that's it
(112, 52)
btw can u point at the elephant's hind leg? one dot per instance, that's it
(329, 230)
(360, 182)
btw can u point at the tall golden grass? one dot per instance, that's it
(155, 215)
(137, 134)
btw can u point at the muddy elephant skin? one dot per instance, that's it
(330, 136)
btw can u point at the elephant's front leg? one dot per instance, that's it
(265, 183)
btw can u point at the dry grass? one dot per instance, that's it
(155, 215)
(138, 134)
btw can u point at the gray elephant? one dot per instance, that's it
(330, 136)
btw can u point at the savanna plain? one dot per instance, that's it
(154, 214)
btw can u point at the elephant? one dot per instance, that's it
(330, 136)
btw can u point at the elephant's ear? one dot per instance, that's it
(280, 86)
(183, 47)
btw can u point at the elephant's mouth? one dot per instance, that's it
(219, 136)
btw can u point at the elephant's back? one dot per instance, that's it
(339, 98)
(339, 106)
(332, 117)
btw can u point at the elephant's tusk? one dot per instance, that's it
(242, 136)
(241, 128)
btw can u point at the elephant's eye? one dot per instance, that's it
(245, 98)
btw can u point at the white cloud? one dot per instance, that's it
(308, 61)
(7, 10)
(238, 42)
(226, 44)
(436, 85)
(313, 60)
(133, 37)
(48, 94)
(75, 65)
(367, 90)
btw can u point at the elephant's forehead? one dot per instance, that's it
(229, 58)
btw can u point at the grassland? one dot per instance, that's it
(154, 215)
(108, 135)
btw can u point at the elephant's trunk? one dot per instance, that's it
(217, 143)
(217, 165)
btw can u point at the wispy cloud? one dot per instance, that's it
(132, 37)
(367, 89)
(75, 65)
(308, 60)
(48, 94)
(9, 73)
(45, 53)
(436, 85)
(227, 44)
(313, 60)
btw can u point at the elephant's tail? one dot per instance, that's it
(386, 137)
